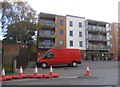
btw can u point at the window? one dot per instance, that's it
(49, 55)
(61, 22)
(80, 34)
(111, 45)
(110, 36)
(61, 32)
(46, 43)
(61, 42)
(71, 23)
(80, 43)
(80, 24)
(71, 43)
(71, 33)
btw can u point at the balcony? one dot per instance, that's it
(103, 29)
(47, 23)
(46, 45)
(96, 37)
(92, 28)
(47, 34)
(98, 47)
(97, 28)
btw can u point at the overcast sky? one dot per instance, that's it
(102, 10)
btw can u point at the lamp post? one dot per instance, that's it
(37, 44)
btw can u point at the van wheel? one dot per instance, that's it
(74, 64)
(43, 65)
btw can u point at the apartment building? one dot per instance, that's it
(75, 33)
(114, 40)
(97, 38)
(47, 32)
(61, 32)
(90, 36)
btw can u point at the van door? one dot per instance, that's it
(49, 58)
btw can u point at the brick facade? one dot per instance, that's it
(10, 50)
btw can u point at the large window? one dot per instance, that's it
(71, 43)
(80, 44)
(80, 34)
(71, 23)
(61, 22)
(80, 24)
(71, 33)
(61, 32)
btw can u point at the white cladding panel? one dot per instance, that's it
(76, 29)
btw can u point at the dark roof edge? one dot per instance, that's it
(97, 21)
(47, 13)
(75, 16)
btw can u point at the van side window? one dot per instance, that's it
(49, 55)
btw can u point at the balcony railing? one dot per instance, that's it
(102, 29)
(96, 28)
(97, 38)
(47, 23)
(98, 47)
(46, 45)
(48, 34)
(92, 28)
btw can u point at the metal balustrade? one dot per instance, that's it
(49, 34)
(46, 45)
(97, 28)
(98, 47)
(47, 22)
(96, 37)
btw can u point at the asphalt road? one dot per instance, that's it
(102, 73)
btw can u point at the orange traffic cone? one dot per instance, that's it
(87, 71)
(51, 70)
(36, 74)
(3, 72)
(4, 77)
(51, 74)
(21, 70)
(20, 75)
(36, 70)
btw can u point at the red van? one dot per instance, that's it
(59, 56)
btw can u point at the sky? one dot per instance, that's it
(100, 10)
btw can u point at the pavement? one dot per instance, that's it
(102, 73)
